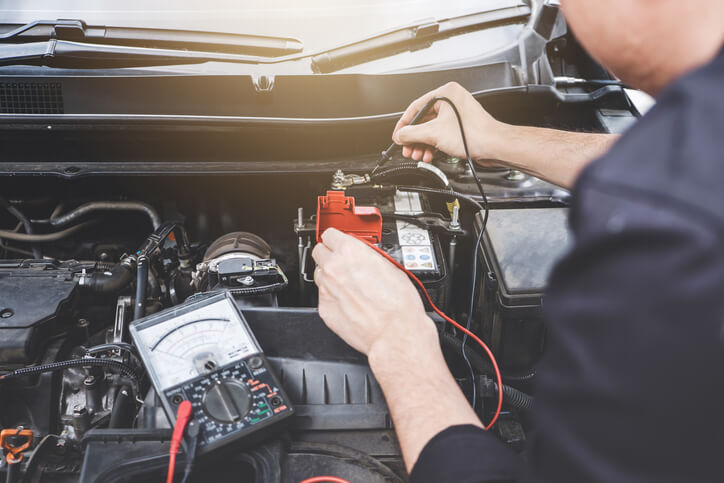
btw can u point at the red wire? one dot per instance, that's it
(324, 479)
(183, 414)
(439, 312)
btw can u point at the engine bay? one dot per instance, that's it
(124, 249)
(122, 216)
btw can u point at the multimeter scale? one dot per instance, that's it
(204, 352)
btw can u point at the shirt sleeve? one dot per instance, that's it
(465, 454)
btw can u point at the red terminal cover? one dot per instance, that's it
(338, 211)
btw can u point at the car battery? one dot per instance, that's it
(519, 250)
(405, 237)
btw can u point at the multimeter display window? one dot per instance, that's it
(183, 345)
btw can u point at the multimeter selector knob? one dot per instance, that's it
(227, 401)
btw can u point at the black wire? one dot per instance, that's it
(470, 316)
(471, 165)
(109, 364)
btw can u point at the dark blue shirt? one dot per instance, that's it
(631, 386)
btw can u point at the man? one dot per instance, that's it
(630, 387)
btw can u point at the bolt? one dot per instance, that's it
(83, 323)
(455, 221)
(515, 175)
(453, 160)
(338, 179)
(60, 446)
(248, 280)
(7, 313)
(300, 217)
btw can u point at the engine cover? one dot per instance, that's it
(33, 296)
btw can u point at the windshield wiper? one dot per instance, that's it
(78, 55)
(412, 36)
(77, 31)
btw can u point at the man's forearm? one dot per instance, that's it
(553, 155)
(421, 394)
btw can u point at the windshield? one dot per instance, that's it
(319, 24)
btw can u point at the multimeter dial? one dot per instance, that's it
(227, 401)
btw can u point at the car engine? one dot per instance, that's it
(115, 224)
(122, 251)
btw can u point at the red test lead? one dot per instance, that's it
(183, 415)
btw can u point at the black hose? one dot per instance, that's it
(44, 237)
(511, 395)
(124, 409)
(517, 399)
(100, 282)
(480, 362)
(403, 169)
(139, 309)
(12, 473)
(449, 193)
(37, 254)
(107, 206)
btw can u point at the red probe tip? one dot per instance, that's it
(183, 414)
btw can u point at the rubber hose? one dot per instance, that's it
(517, 399)
(108, 206)
(449, 193)
(139, 310)
(120, 276)
(478, 361)
(37, 254)
(44, 237)
(123, 410)
(511, 395)
(407, 169)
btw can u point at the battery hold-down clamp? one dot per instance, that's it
(335, 210)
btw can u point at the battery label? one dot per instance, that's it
(418, 258)
(415, 241)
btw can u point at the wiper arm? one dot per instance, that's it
(74, 55)
(411, 37)
(77, 31)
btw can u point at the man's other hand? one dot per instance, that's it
(364, 298)
(439, 129)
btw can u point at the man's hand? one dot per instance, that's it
(363, 298)
(439, 129)
(374, 307)
(555, 156)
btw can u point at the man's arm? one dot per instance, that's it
(373, 306)
(420, 392)
(553, 155)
